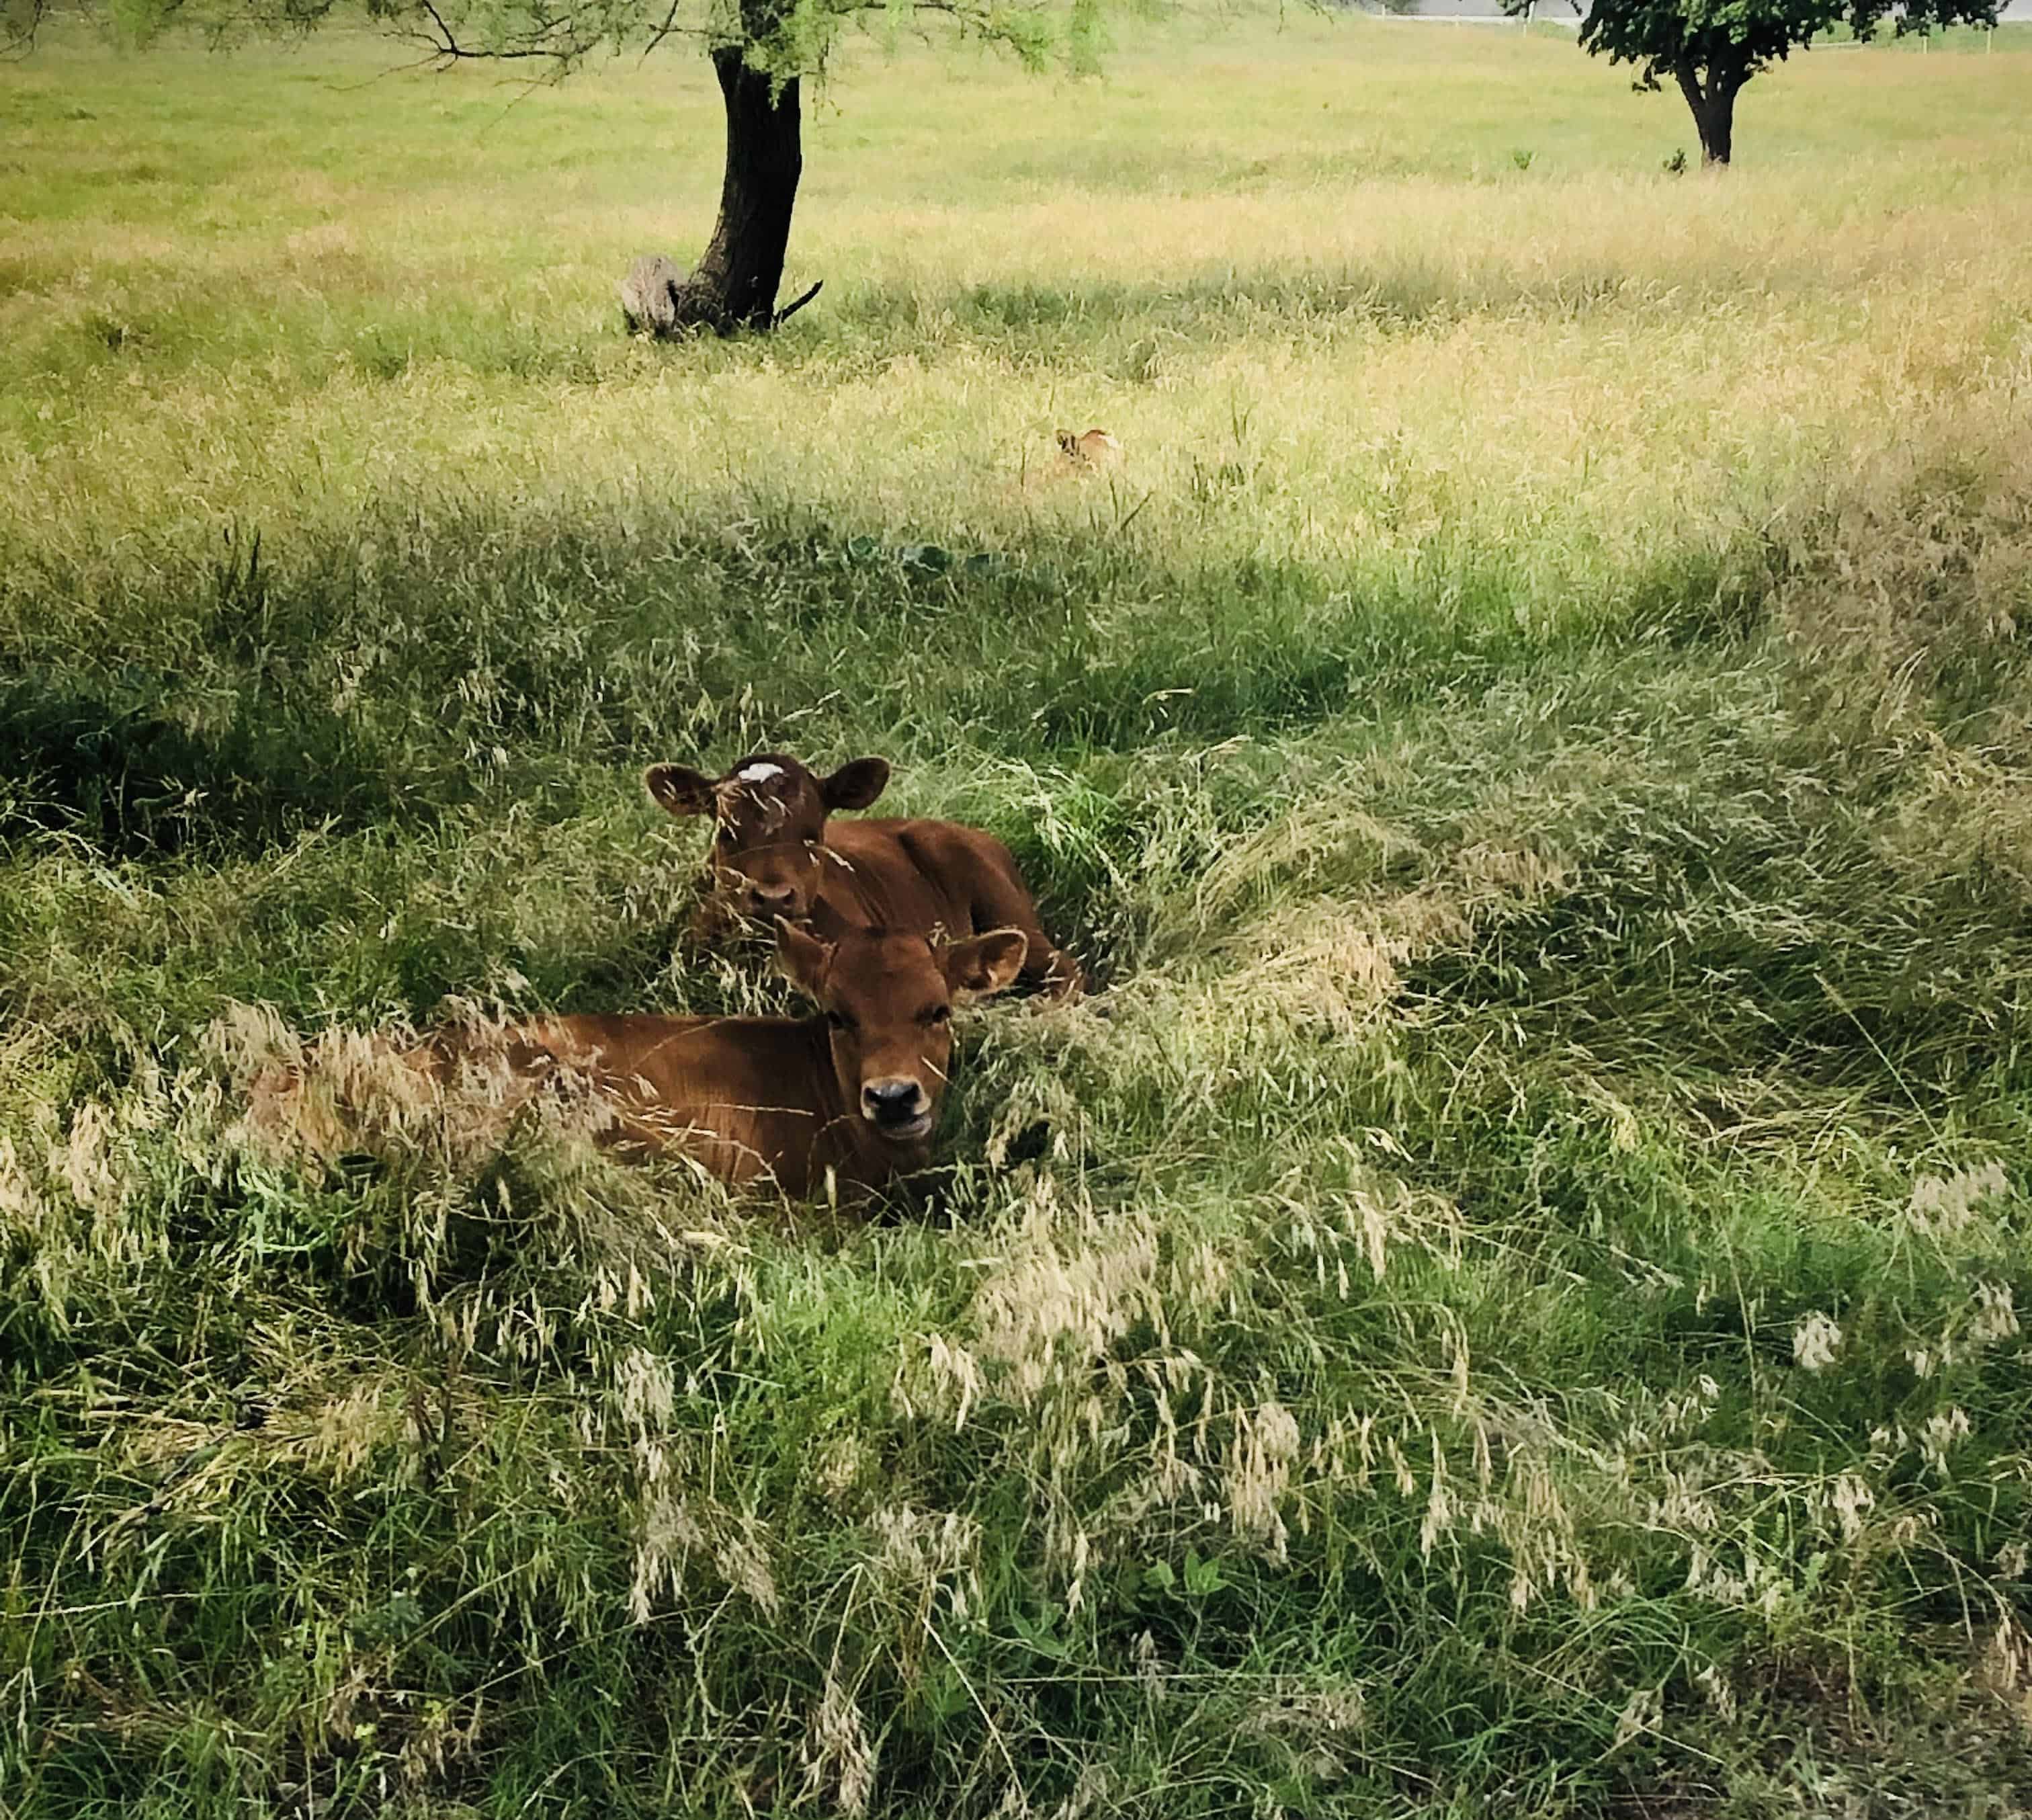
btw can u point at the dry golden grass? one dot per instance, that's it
(1317, 339)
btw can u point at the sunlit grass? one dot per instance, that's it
(1310, 346)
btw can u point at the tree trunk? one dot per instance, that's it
(1713, 106)
(734, 284)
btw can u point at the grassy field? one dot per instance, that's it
(1506, 1300)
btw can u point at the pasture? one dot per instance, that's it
(1506, 1299)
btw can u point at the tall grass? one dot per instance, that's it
(1509, 1296)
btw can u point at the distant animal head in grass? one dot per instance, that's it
(769, 814)
(888, 1000)
(1094, 448)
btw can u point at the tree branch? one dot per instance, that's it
(549, 41)
(785, 314)
(668, 29)
(19, 22)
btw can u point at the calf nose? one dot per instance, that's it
(772, 897)
(891, 1101)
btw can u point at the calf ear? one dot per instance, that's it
(987, 963)
(680, 789)
(803, 958)
(855, 784)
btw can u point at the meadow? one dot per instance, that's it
(1506, 1299)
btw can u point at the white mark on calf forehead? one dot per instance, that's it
(761, 772)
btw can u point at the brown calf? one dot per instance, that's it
(1097, 449)
(774, 854)
(853, 1093)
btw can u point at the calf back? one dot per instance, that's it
(941, 879)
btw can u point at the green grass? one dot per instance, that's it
(1508, 1299)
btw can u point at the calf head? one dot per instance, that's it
(888, 1000)
(770, 814)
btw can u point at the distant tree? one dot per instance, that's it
(1711, 48)
(761, 51)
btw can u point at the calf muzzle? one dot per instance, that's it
(771, 901)
(896, 1107)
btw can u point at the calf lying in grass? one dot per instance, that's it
(775, 853)
(852, 1093)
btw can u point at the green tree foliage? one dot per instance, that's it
(761, 51)
(1711, 48)
(786, 37)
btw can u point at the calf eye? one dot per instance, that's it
(937, 1015)
(839, 1020)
